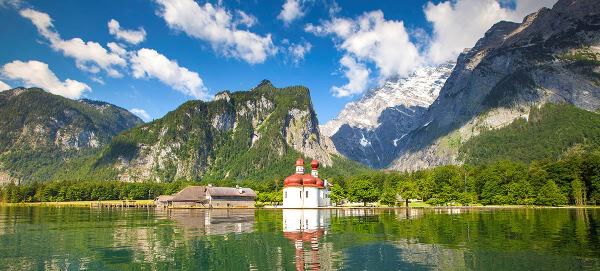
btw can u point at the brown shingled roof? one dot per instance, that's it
(231, 192)
(191, 193)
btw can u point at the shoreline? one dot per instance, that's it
(151, 204)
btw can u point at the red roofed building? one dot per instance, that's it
(305, 190)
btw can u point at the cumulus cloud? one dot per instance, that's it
(89, 56)
(4, 86)
(358, 76)
(245, 19)
(298, 51)
(370, 39)
(148, 63)
(217, 26)
(395, 51)
(37, 74)
(452, 33)
(141, 113)
(130, 36)
(290, 11)
(117, 49)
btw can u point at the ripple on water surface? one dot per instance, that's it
(34, 238)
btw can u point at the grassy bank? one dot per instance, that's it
(82, 203)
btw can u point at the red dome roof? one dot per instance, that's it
(300, 162)
(308, 179)
(293, 180)
(320, 183)
(314, 164)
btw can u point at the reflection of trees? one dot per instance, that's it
(78, 238)
(538, 237)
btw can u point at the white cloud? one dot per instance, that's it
(89, 56)
(141, 113)
(358, 76)
(37, 74)
(452, 33)
(215, 25)
(130, 36)
(370, 39)
(290, 11)
(245, 19)
(148, 63)
(97, 80)
(298, 51)
(4, 86)
(117, 49)
(10, 3)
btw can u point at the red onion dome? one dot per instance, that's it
(320, 183)
(309, 180)
(300, 162)
(293, 180)
(314, 164)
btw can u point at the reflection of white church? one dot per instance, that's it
(306, 228)
(305, 190)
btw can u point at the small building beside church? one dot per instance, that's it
(305, 190)
(209, 197)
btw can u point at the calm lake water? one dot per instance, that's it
(38, 238)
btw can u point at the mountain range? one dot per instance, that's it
(553, 56)
(526, 91)
(370, 129)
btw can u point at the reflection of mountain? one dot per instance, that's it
(214, 221)
(399, 239)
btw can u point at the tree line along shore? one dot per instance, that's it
(574, 179)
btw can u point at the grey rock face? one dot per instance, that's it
(551, 57)
(370, 129)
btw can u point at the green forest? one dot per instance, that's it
(572, 180)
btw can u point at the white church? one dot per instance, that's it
(305, 190)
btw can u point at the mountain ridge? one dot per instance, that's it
(369, 129)
(246, 134)
(551, 57)
(39, 131)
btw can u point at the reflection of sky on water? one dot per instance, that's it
(347, 239)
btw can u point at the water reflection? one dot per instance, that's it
(203, 222)
(346, 239)
(305, 228)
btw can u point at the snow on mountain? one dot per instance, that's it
(421, 88)
(367, 130)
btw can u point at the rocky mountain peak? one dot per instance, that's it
(551, 57)
(237, 135)
(264, 83)
(369, 129)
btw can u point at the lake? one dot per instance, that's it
(52, 238)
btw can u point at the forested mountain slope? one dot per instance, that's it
(553, 56)
(40, 131)
(254, 134)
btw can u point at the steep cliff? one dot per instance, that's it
(251, 134)
(553, 56)
(39, 131)
(370, 129)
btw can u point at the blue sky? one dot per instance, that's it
(165, 52)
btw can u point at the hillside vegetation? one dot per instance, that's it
(40, 131)
(547, 133)
(249, 135)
